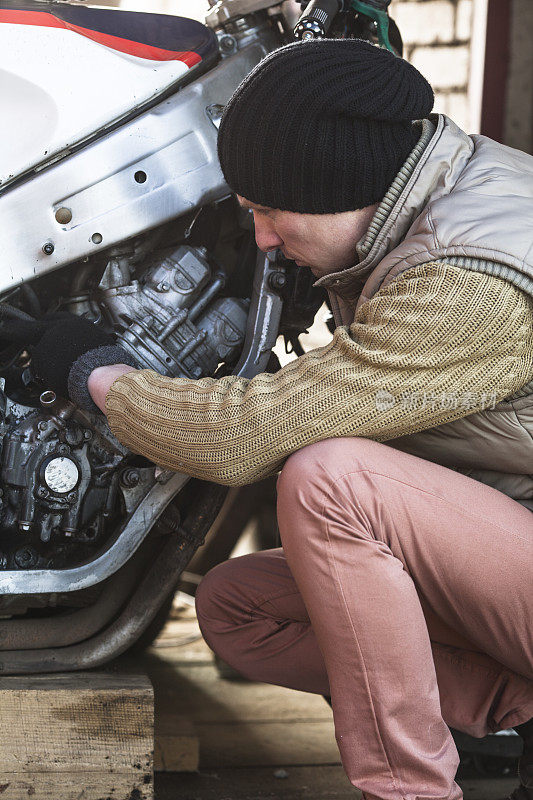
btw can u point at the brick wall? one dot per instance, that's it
(436, 36)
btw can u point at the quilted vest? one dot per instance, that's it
(466, 200)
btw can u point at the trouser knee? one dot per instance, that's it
(310, 472)
(224, 600)
(212, 601)
(307, 482)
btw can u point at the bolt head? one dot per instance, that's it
(26, 557)
(277, 280)
(130, 478)
(227, 43)
(48, 248)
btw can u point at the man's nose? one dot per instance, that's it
(265, 234)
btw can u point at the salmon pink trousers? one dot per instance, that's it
(404, 590)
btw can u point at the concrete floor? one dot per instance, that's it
(256, 741)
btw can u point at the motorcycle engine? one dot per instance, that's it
(65, 481)
(60, 474)
(171, 319)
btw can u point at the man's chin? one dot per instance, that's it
(317, 271)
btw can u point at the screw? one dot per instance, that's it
(63, 449)
(72, 497)
(42, 492)
(48, 248)
(42, 425)
(277, 281)
(87, 434)
(130, 478)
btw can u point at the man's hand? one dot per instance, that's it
(100, 381)
(65, 349)
(64, 338)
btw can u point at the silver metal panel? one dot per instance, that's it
(174, 144)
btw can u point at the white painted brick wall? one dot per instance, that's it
(457, 108)
(444, 67)
(436, 36)
(463, 20)
(425, 23)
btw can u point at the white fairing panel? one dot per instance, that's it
(58, 87)
(145, 172)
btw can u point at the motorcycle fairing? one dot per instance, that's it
(173, 146)
(67, 72)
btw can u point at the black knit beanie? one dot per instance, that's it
(322, 126)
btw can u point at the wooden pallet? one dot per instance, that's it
(79, 736)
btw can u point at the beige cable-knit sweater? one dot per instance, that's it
(456, 339)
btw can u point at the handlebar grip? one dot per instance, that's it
(316, 19)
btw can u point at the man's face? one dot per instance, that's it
(323, 242)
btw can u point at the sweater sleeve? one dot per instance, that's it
(437, 332)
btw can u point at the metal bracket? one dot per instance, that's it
(225, 10)
(263, 319)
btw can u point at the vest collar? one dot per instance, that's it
(432, 168)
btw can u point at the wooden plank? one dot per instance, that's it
(197, 692)
(248, 743)
(79, 736)
(177, 747)
(73, 786)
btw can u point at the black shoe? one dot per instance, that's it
(525, 764)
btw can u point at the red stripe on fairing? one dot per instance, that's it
(46, 20)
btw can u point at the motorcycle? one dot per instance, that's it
(113, 207)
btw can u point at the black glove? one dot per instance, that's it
(64, 350)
